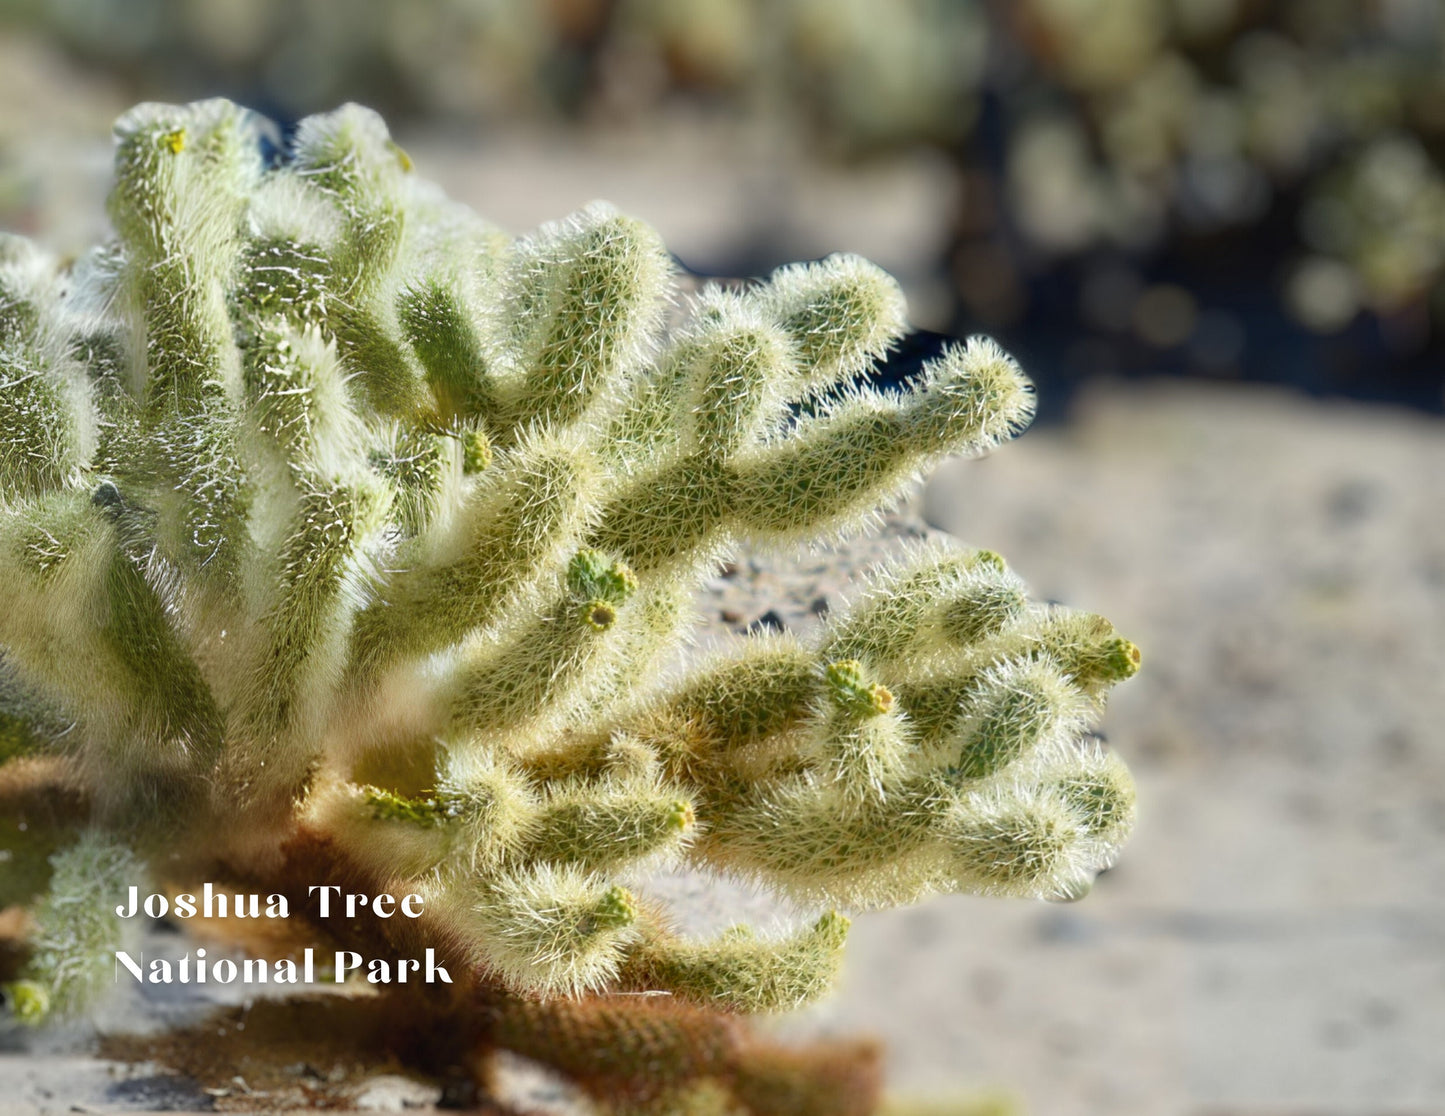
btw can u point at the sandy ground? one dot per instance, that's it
(1273, 940)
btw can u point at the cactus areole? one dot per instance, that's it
(348, 542)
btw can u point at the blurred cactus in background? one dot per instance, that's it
(1201, 111)
(348, 538)
(1129, 165)
(858, 81)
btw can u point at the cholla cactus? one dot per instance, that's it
(335, 520)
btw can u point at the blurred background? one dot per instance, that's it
(1214, 233)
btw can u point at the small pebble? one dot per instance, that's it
(768, 621)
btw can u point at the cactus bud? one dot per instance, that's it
(853, 693)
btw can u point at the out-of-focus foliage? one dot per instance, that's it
(1205, 113)
(851, 76)
(1085, 129)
